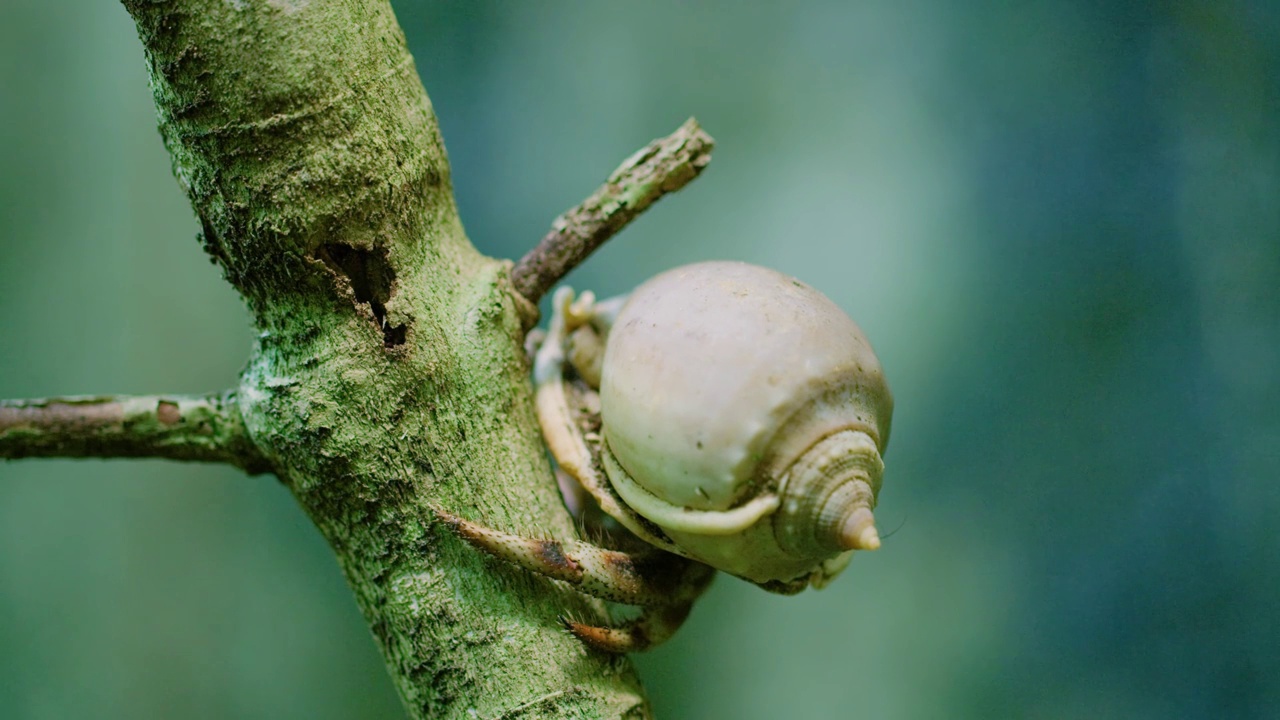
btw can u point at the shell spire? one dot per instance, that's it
(859, 530)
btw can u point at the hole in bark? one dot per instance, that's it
(372, 280)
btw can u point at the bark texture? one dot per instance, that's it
(388, 371)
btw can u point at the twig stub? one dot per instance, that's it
(663, 166)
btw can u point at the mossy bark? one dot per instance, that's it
(388, 372)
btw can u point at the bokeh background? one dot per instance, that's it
(1057, 222)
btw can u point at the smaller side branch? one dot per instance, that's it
(663, 166)
(177, 427)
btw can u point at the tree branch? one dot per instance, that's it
(663, 166)
(388, 373)
(177, 427)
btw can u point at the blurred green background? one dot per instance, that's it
(1057, 222)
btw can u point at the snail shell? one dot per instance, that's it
(745, 414)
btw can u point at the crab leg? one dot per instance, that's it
(653, 627)
(561, 430)
(648, 579)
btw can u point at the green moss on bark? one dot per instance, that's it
(388, 370)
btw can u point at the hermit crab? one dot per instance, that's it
(730, 417)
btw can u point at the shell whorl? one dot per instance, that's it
(828, 497)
